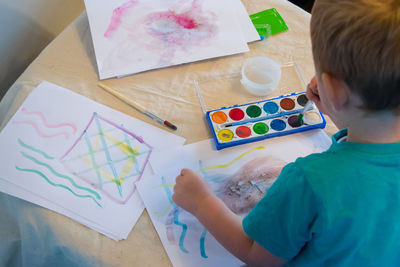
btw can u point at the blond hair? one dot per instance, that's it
(358, 41)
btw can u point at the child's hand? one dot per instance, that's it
(190, 190)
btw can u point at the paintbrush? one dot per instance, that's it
(138, 107)
(305, 109)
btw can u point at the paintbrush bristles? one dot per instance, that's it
(307, 107)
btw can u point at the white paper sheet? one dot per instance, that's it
(132, 36)
(21, 193)
(249, 31)
(81, 156)
(239, 175)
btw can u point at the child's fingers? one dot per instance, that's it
(183, 171)
(312, 93)
(185, 178)
(175, 198)
(312, 96)
(312, 90)
(313, 84)
(186, 172)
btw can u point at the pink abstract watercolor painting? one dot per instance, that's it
(137, 35)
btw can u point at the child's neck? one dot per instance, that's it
(375, 128)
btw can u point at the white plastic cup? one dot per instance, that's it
(260, 75)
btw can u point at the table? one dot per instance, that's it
(69, 61)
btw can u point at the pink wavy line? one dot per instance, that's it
(39, 132)
(42, 117)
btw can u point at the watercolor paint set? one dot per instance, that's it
(241, 124)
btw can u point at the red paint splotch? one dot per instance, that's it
(192, 26)
(175, 27)
(180, 19)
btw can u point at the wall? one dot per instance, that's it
(26, 27)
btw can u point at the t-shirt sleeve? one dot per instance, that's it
(285, 219)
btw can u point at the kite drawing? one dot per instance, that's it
(109, 158)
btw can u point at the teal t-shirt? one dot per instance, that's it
(336, 208)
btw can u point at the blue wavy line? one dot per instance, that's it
(34, 149)
(60, 175)
(184, 229)
(57, 185)
(176, 216)
(202, 239)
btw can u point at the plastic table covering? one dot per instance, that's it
(34, 236)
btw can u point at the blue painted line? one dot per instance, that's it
(133, 156)
(176, 216)
(34, 149)
(207, 177)
(202, 239)
(202, 171)
(110, 163)
(51, 169)
(184, 229)
(167, 191)
(201, 167)
(93, 160)
(57, 185)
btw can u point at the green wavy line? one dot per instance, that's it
(34, 149)
(61, 175)
(59, 185)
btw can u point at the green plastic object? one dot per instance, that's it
(268, 22)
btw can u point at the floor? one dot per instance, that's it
(26, 28)
(304, 4)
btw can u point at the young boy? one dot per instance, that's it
(340, 207)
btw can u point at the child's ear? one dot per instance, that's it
(336, 90)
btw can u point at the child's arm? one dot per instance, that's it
(193, 194)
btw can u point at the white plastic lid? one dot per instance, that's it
(260, 75)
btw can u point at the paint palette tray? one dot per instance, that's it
(240, 124)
